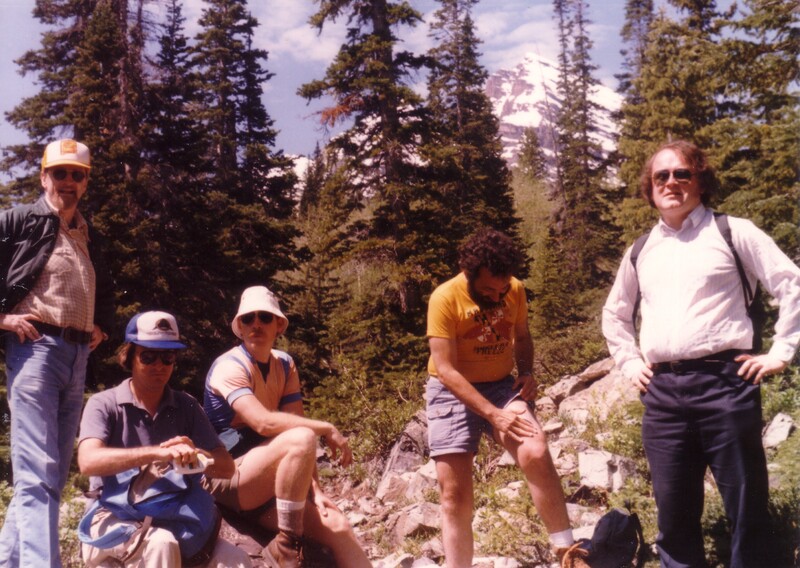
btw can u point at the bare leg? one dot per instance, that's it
(455, 484)
(533, 458)
(281, 467)
(332, 530)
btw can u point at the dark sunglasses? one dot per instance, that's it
(60, 175)
(149, 357)
(263, 317)
(681, 175)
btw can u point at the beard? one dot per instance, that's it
(484, 302)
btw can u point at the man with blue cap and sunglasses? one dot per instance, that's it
(143, 421)
(56, 300)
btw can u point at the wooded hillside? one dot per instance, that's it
(197, 203)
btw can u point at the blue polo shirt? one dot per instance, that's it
(117, 419)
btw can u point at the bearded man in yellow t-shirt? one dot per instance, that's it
(478, 334)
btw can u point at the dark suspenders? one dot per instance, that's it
(755, 308)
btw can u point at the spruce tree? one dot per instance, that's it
(388, 264)
(465, 155)
(531, 160)
(42, 115)
(678, 99)
(755, 144)
(316, 287)
(258, 181)
(582, 190)
(639, 18)
(582, 230)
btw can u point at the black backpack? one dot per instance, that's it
(753, 301)
(617, 542)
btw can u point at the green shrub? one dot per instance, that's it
(372, 410)
(781, 394)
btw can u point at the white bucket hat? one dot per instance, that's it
(66, 152)
(259, 299)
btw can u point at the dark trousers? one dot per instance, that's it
(706, 417)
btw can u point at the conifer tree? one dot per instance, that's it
(678, 98)
(582, 193)
(465, 155)
(531, 161)
(389, 262)
(316, 288)
(163, 241)
(176, 144)
(258, 181)
(579, 246)
(639, 18)
(756, 143)
(43, 114)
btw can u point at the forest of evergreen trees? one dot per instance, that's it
(197, 203)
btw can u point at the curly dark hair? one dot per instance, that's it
(490, 249)
(697, 161)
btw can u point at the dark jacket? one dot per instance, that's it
(27, 239)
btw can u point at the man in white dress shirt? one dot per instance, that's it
(694, 362)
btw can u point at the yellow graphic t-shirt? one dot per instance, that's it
(484, 338)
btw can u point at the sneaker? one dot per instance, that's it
(284, 551)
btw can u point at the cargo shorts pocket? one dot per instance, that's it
(441, 422)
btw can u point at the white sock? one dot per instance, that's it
(290, 515)
(562, 539)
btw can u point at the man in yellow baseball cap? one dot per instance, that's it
(55, 301)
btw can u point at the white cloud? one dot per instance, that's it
(511, 31)
(284, 31)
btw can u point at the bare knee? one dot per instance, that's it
(533, 452)
(455, 499)
(299, 439)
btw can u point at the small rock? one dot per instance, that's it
(597, 370)
(604, 469)
(778, 430)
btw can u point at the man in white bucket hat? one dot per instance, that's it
(55, 303)
(254, 401)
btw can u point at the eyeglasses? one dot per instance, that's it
(681, 175)
(264, 317)
(61, 174)
(150, 357)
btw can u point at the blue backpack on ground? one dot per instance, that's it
(160, 497)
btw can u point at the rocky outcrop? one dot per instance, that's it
(412, 495)
(397, 518)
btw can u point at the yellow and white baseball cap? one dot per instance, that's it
(66, 152)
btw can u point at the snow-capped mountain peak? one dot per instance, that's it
(527, 96)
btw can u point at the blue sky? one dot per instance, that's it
(297, 54)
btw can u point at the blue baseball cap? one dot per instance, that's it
(158, 330)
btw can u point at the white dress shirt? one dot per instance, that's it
(692, 301)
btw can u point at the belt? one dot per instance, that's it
(69, 334)
(712, 361)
